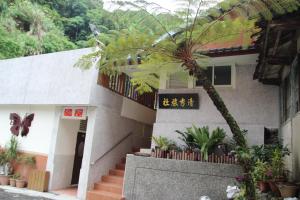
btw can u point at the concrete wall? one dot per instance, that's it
(253, 105)
(106, 127)
(64, 154)
(41, 128)
(138, 112)
(291, 138)
(153, 178)
(39, 79)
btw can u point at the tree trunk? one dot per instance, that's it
(238, 134)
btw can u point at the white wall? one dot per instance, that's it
(64, 154)
(46, 79)
(291, 139)
(253, 105)
(106, 127)
(138, 112)
(39, 136)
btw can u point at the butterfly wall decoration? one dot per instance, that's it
(17, 124)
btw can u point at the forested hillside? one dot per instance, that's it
(30, 27)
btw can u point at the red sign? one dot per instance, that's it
(68, 112)
(74, 113)
(78, 112)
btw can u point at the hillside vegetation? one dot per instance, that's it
(30, 27)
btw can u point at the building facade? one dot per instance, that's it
(255, 106)
(74, 150)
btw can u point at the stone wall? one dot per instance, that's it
(162, 179)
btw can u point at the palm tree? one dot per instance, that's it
(177, 46)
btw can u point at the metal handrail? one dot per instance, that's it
(114, 146)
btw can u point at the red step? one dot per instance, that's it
(120, 166)
(109, 187)
(103, 195)
(112, 179)
(117, 172)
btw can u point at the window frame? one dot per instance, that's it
(233, 75)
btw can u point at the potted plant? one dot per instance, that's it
(260, 175)
(12, 180)
(277, 169)
(163, 144)
(27, 163)
(4, 168)
(205, 141)
(20, 182)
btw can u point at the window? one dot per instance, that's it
(178, 80)
(219, 75)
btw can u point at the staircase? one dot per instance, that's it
(110, 186)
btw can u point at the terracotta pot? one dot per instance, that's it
(4, 180)
(263, 186)
(12, 182)
(287, 190)
(20, 183)
(274, 188)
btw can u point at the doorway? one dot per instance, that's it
(78, 157)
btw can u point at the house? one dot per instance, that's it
(77, 149)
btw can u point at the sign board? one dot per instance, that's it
(178, 101)
(74, 113)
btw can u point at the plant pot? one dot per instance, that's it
(20, 183)
(263, 186)
(12, 182)
(287, 190)
(4, 180)
(274, 188)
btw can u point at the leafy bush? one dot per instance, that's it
(201, 138)
(11, 149)
(260, 171)
(163, 143)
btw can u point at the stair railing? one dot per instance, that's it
(121, 84)
(112, 148)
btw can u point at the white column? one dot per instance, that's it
(84, 185)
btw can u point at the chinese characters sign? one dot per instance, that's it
(179, 101)
(74, 113)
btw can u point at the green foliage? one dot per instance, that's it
(265, 152)
(11, 149)
(26, 160)
(163, 143)
(260, 170)
(16, 176)
(3, 158)
(201, 138)
(187, 138)
(277, 163)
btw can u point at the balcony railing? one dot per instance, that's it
(121, 84)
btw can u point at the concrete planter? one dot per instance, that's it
(148, 178)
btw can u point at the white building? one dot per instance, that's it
(45, 85)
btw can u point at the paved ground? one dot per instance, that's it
(13, 196)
